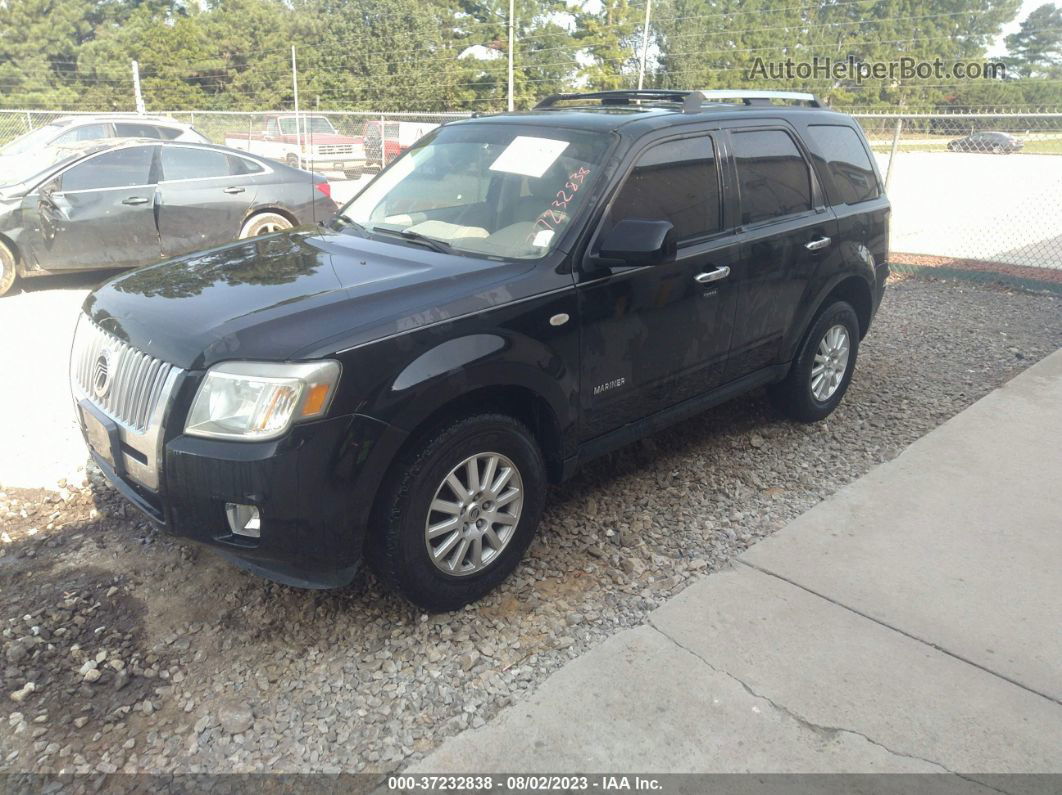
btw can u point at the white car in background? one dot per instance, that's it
(36, 149)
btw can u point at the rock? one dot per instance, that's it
(235, 718)
(468, 659)
(20, 695)
(757, 441)
(697, 564)
(92, 675)
(81, 721)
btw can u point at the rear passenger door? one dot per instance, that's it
(786, 236)
(654, 336)
(204, 196)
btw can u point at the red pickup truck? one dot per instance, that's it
(306, 141)
(386, 140)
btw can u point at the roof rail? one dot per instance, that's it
(751, 97)
(690, 101)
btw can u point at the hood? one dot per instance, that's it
(289, 296)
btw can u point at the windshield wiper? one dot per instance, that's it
(431, 242)
(348, 221)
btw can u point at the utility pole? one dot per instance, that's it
(512, 36)
(295, 88)
(136, 89)
(645, 43)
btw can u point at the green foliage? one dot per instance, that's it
(435, 55)
(1036, 49)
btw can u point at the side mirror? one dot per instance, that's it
(634, 241)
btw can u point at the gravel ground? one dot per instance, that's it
(126, 650)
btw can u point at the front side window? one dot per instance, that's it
(86, 132)
(488, 189)
(848, 162)
(773, 176)
(676, 181)
(120, 168)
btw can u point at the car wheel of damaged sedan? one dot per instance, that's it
(462, 508)
(8, 272)
(264, 224)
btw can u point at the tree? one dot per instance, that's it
(1036, 49)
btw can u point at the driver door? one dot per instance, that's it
(99, 213)
(656, 335)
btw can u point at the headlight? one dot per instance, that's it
(260, 400)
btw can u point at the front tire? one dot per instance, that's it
(820, 374)
(459, 511)
(264, 224)
(8, 269)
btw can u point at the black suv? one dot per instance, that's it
(513, 296)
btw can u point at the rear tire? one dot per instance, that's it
(353, 173)
(264, 224)
(823, 368)
(8, 269)
(442, 549)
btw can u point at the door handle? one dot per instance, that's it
(717, 275)
(816, 245)
(135, 200)
(234, 189)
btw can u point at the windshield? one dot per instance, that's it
(498, 190)
(313, 124)
(31, 140)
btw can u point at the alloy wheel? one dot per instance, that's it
(831, 362)
(474, 514)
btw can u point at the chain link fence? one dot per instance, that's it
(977, 191)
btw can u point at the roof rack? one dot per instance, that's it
(760, 97)
(691, 101)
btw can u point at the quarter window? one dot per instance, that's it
(848, 162)
(677, 181)
(772, 174)
(118, 169)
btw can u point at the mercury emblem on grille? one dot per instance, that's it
(101, 373)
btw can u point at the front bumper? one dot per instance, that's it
(314, 490)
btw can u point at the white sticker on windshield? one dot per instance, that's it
(529, 156)
(542, 238)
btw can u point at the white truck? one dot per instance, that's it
(307, 141)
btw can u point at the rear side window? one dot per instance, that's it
(677, 181)
(135, 130)
(179, 162)
(848, 162)
(118, 169)
(773, 176)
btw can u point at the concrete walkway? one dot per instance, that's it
(910, 623)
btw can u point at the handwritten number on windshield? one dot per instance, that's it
(554, 215)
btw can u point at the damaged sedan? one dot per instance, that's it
(133, 202)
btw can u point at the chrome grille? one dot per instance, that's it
(137, 381)
(335, 149)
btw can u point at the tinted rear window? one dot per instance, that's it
(179, 162)
(772, 174)
(848, 162)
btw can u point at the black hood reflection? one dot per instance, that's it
(293, 295)
(262, 261)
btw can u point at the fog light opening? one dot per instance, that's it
(244, 520)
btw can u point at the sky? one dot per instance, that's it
(1027, 7)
